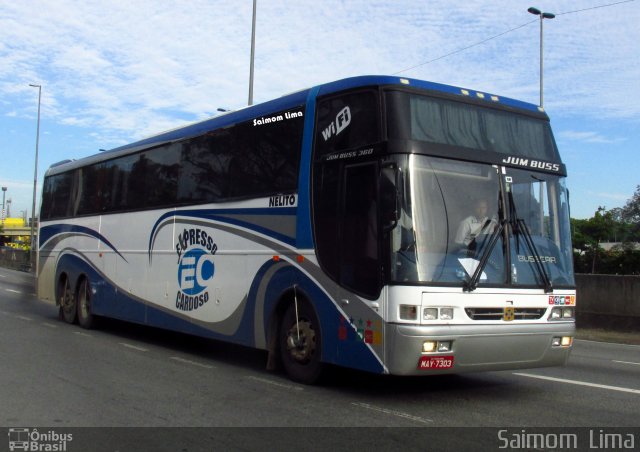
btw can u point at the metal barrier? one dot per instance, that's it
(608, 301)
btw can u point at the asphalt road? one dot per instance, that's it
(61, 376)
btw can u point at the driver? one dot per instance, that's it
(474, 225)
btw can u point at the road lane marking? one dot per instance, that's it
(80, 333)
(23, 317)
(626, 362)
(580, 383)
(392, 412)
(13, 291)
(617, 344)
(134, 347)
(50, 325)
(275, 383)
(193, 363)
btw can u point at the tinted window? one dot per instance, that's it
(259, 157)
(441, 121)
(153, 178)
(326, 209)
(346, 225)
(204, 172)
(359, 263)
(56, 196)
(347, 121)
(255, 158)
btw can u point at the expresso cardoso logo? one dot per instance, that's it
(195, 249)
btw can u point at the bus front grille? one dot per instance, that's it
(498, 313)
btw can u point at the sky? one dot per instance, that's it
(116, 71)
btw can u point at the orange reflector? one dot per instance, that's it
(300, 259)
(276, 258)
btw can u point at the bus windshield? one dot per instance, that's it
(458, 214)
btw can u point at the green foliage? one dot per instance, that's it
(631, 211)
(619, 225)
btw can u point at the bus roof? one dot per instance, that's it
(290, 101)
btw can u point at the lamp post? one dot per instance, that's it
(4, 193)
(253, 51)
(543, 15)
(35, 181)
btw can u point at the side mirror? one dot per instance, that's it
(389, 197)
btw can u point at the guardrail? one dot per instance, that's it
(608, 301)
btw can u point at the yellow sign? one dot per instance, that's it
(509, 314)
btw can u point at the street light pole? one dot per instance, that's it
(253, 51)
(4, 192)
(543, 15)
(34, 244)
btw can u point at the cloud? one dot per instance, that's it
(133, 68)
(588, 137)
(612, 196)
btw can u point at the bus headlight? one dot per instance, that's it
(430, 314)
(446, 313)
(562, 313)
(437, 313)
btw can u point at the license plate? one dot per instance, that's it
(435, 362)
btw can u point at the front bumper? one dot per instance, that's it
(476, 348)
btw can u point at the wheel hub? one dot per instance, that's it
(301, 341)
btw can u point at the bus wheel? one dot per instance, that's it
(66, 300)
(300, 344)
(85, 317)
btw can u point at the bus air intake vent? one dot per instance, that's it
(498, 313)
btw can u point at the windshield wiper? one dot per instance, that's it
(522, 226)
(518, 225)
(472, 283)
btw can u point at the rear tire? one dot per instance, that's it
(66, 300)
(85, 318)
(300, 344)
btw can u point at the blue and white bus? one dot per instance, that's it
(335, 225)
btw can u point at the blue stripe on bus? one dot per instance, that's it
(50, 231)
(377, 80)
(220, 215)
(304, 234)
(112, 301)
(352, 352)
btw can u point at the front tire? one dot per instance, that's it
(85, 318)
(66, 300)
(301, 343)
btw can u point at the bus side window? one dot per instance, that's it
(359, 261)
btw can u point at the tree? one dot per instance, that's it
(616, 225)
(631, 210)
